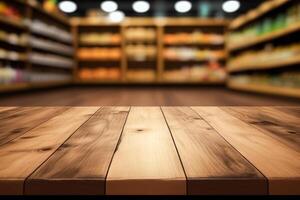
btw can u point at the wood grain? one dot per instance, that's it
(212, 166)
(279, 163)
(19, 158)
(16, 122)
(80, 165)
(6, 108)
(146, 161)
(295, 111)
(279, 125)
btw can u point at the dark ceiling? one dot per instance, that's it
(166, 7)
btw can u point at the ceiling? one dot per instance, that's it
(166, 8)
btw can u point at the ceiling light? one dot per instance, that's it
(67, 6)
(116, 16)
(231, 6)
(141, 6)
(109, 6)
(183, 6)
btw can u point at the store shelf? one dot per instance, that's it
(186, 21)
(6, 40)
(159, 26)
(55, 16)
(14, 87)
(13, 23)
(99, 45)
(265, 38)
(22, 59)
(93, 81)
(98, 60)
(191, 82)
(50, 36)
(257, 13)
(265, 65)
(195, 44)
(266, 89)
(195, 61)
(37, 85)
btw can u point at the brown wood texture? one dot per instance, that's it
(19, 158)
(212, 165)
(295, 111)
(6, 108)
(146, 161)
(16, 122)
(277, 161)
(277, 124)
(152, 150)
(80, 165)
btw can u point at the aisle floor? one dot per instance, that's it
(142, 96)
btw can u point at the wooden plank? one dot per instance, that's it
(146, 161)
(295, 111)
(212, 166)
(80, 165)
(16, 122)
(19, 158)
(280, 164)
(2, 109)
(279, 125)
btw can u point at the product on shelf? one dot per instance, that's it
(48, 77)
(268, 56)
(100, 38)
(10, 75)
(52, 31)
(267, 25)
(140, 34)
(196, 37)
(12, 55)
(13, 38)
(100, 73)
(141, 52)
(50, 6)
(290, 79)
(192, 54)
(50, 45)
(99, 53)
(10, 12)
(51, 60)
(211, 72)
(142, 75)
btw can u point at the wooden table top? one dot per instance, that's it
(149, 150)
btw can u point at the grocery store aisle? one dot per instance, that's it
(141, 96)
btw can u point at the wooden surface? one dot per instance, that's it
(208, 157)
(85, 157)
(151, 150)
(146, 161)
(20, 157)
(15, 122)
(276, 160)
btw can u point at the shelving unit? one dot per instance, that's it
(264, 48)
(141, 44)
(194, 51)
(98, 55)
(37, 50)
(266, 89)
(142, 49)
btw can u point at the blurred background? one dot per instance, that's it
(142, 52)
